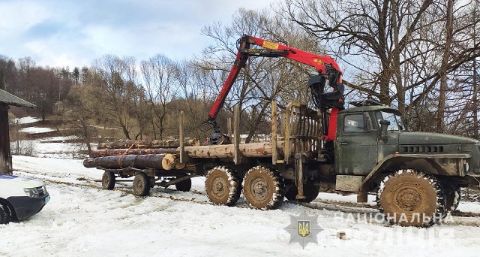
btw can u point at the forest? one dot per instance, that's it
(420, 57)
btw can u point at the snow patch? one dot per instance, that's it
(35, 130)
(26, 120)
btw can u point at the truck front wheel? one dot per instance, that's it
(411, 198)
(263, 188)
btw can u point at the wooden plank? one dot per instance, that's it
(274, 133)
(299, 160)
(181, 137)
(286, 123)
(229, 126)
(236, 132)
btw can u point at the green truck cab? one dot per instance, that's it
(414, 174)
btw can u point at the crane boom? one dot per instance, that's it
(325, 65)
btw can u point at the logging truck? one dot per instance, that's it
(415, 176)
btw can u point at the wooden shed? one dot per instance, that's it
(6, 100)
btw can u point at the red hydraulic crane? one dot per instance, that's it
(326, 66)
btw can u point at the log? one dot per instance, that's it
(168, 162)
(153, 161)
(227, 151)
(171, 161)
(113, 152)
(139, 144)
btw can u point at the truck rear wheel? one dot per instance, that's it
(184, 185)
(141, 185)
(222, 186)
(263, 188)
(411, 198)
(310, 190)
(108, 180)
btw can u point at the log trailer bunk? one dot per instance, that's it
(416, 176)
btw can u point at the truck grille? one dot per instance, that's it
(421, 149)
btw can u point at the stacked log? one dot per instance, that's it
(141, 144)
(227, 151)
(113, 152)
(148, 161)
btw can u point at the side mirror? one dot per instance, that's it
(383, 133)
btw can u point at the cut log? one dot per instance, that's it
(168, 162)
(172, 161)
(153, 161)
(227, 151)
(135, 144)
(113, 152)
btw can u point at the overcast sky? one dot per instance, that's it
(75, 32)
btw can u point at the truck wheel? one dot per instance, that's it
(263, 188)
(310, 190)
(108, 180)
(222, 186)
(184, 185)
(4, 214)
(141, 185)
(452, 198)
(411, 198)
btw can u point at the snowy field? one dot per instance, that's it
(50, 147)
(83, 220)
(35, 130)
(26, 120)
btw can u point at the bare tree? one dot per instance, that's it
(159, 75)
(81, 111)
(118, 91)
(402, 42)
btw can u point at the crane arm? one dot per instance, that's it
(324, 64)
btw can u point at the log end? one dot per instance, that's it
(168, 161)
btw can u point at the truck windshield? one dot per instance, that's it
(395, 120)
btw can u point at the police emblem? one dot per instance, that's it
(303, 229)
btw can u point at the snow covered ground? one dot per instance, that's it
(26, 120)
(35, 130)
(50, 147)
(83, 220)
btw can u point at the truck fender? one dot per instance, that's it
(434, 164)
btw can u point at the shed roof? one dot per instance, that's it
(9, 99)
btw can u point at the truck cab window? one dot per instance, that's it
(354, 123)
(395, 120)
